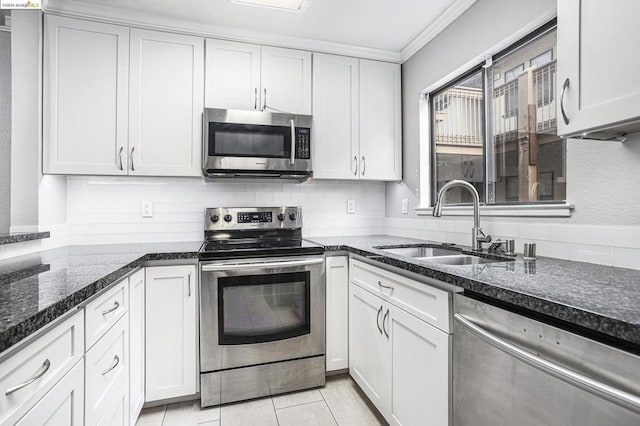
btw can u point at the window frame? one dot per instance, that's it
(427, 148)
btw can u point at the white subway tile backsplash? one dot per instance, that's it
(108, 209)
(592, 254)
(626, 257)
(534, 231)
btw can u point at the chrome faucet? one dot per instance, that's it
(477, 236)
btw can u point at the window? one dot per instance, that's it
(511, 154)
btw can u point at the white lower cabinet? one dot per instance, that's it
(136, 345)
(171, 332)
(31, 373)
(337, 330)
(107, 371)
(369, 353)
(117, 412)
(62, 405)
(400, 361)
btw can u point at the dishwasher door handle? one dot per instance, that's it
(611, 394)
(260, 265)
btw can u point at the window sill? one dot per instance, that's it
(531, 210)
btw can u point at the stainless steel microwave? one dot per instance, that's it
(256, 144)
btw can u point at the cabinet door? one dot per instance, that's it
(419, 370)
(596, 41)
(368, 347)
(62, 405)
(232, 75)
(335, 117)
(85, 89)
(286, 80)
(380, 121)
(136, 345)
(165, 104)
(171, 336)
(337, 349)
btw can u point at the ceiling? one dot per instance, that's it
(383, 25)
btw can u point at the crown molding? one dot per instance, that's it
(103, 13)
(450, 14)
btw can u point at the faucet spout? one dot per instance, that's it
(477, 236)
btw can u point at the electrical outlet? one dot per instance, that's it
(405, 206)
(351, 206)
(147, 209)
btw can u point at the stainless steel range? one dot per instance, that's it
(262, 305)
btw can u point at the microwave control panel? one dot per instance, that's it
(303, 143)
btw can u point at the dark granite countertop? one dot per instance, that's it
(37, 288)
(596, 298)
(23, 236)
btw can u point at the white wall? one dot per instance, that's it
(108, 209)
(25, 131)
(5, 129)
(605, 225)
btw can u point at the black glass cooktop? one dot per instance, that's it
(257, 248)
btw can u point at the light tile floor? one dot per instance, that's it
(340, 402)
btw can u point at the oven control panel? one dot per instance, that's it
(254, 217)
(238, 218)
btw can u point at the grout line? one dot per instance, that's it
(328, 406)
(274, 411)
(164, 415)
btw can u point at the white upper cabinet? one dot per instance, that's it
(85, 88)
(233, 75)
(252, 77)
(380, 121)
(165, 104)
(597, 69)
(335, 141)
(356, 119)
(116, 105)
(286, 80)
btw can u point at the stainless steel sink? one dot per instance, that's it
(436, 254)
(419, 252)
(463, 259)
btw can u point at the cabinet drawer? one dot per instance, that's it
(103, 312)
(106, 370)
(50, 357)
(62, 405)
(117, 412)
(427, 303)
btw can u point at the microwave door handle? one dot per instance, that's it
(259, 265)
(293, 142)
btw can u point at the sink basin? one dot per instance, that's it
(462, 259)
(437, 254)
(419, 252)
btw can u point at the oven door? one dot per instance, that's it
(258, 311)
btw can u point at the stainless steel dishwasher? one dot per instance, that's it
(512, 370)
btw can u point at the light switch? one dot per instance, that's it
(405, 206)
(147, 209)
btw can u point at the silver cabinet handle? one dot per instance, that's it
(389, 287)
(264, 103)
(293, 142)
(116, 305)
(355, 165)
(116, 361)
(386, 333)
(133, 169)
(378, 319)
(585, 383)
(120, 157)
(255, 98)
(565, 86)
(189, 282)
(45, 367)
(259, 265)
(364, 164)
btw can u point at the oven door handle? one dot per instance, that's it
(260, 265)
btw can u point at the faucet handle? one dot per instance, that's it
(481, 237)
